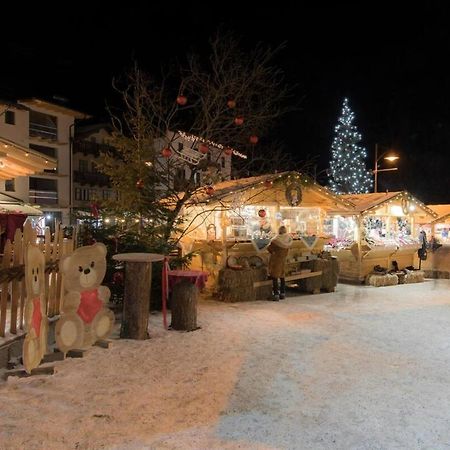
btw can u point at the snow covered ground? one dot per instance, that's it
(363, 368)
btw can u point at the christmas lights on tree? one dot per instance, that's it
(348, 173)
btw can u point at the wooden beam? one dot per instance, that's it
(298, 276)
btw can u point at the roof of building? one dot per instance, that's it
(363, 202)
(53, 107)
(318, 195)
(366, 202)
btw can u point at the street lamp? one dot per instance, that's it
(390, 158)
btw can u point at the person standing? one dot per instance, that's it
(278, 249)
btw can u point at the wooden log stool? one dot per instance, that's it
(184, 306)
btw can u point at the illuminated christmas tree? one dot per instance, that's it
(348, 173)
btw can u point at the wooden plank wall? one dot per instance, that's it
(12, 282)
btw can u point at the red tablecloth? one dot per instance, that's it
(196, 277)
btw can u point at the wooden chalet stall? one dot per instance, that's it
(382, 228)
(233, 225)
(437, 264)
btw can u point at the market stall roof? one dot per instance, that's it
(268, 188)
(13, 205)
(442, 211)
(368, 202)
(17, 160)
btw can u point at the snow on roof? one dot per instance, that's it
(364, 202)
(226, 188)
(442, 211)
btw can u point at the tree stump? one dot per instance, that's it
(136, 305)
(184, 306)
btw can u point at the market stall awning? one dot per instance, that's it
(365, 203)
(12, 205)
(17, 160)
(442, 211)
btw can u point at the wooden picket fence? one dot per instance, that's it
(12, 281)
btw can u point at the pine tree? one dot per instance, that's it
(347, 166)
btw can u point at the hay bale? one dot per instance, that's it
(237, 285)
(312, 284)
(330, 274)
(414, 276)
(381, 280)
(327, 281)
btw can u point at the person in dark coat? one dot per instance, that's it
(278, 249)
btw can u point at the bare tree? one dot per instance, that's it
(225, 102)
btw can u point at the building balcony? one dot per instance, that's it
(43, 197)
(43, 131)
(90, 148)
(90, 178)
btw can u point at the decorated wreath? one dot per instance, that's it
(293, 194)
(405, 205)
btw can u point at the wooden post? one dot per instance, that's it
(6, 264)
(184, 306)
(136, 304)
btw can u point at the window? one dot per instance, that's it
(42, 184)
(49, 151)
(10, 117)
(222, 160)
(77, 194)
(106, 195)
(83, 165)
(10, 185)
(43, 191)
(43, 125)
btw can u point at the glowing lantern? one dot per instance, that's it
(231, 104)
(228, 151)
(210, 190)
(239, 120)
(203, 148)
(253, 139)
(166, 152)
(262, 213)
(181, 100)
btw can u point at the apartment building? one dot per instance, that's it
(42, 131)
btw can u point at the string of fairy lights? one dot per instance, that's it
(348, 169)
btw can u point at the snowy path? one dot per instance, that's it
(364, 368)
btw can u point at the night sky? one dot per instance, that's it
(390, 61)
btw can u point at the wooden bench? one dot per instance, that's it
(289, 278)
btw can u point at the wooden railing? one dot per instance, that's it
(12, 281)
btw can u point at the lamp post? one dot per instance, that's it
(375, 170)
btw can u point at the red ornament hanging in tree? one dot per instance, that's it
(166, 152)
(140, 184)
(228, 151)
(203, 148)
(181, 100)
(231, 104)
(262, 213)
(210, 190)
(95, 210)
(268, 183)
(253, 139)
(239, 120)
